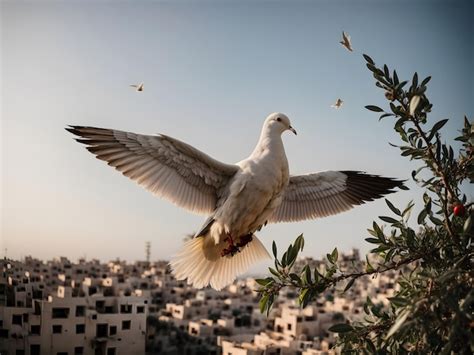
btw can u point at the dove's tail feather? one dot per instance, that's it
(200, 271)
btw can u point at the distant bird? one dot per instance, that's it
(346, 41)
(139, 87)
(338, 104)
(239, 199)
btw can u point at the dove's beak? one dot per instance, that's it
(293, 130)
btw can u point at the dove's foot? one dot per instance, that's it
(232, 249)
(235, 248)
(244, 240)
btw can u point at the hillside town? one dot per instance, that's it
(59, 307)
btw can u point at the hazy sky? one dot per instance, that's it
(212, 72)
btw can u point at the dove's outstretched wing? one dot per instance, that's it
(331, 192)
(163, 165)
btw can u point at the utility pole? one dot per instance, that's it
(147, 251)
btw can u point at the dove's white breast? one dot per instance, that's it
(254, 193)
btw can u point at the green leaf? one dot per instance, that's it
(372, 232)
(425, 81)
(292, 254)
(386, 71)
(393, 208)
(299, 242)
(398, 323)
(334, 255)
(395, 77)
(368, 59)
(303, 298)
(274, 272)
(341, 328)
(349, 284)
(436, 127)
(295, 277)
(379, 75)
(371, 346)
(377, 230)
(436, 221)
(266, 281)
(421, 216)
(406, 212)
(385, 115)
(398, 301)
(403, 187)
(467, 224)
(329, 257)
(288, 254)
(371, 67)
(373, 108)
(415, 80)
(380, 249)
(262, 282)
(378, 84)
(274, 249)
(278, 264)
(263, 303)
(283, 260)
(307, 274)
(372, 240)
(415, 172)
(316, 275)
(401, 85)
(389, 255)
(388, 219)
(427, 201)
(369, 267)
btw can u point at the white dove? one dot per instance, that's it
(338, 104)
(346, 41)
(139, 87)
(238, 198)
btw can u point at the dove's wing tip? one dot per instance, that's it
(73, 129)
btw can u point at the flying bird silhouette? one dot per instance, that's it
(346, 41)
(139, 87)
(338, 104)
(239, 199)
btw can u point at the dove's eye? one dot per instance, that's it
(278, 119)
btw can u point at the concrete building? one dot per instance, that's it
(88, 318)
(59, 307)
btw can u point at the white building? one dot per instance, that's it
(75, 320)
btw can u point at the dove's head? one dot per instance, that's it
(279, 123)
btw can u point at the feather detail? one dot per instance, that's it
(163, 165)
(328, 193)
(191, 263)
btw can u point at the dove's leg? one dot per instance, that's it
(232, 249)
(235, 248)
(230, 240)
(244, 240)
